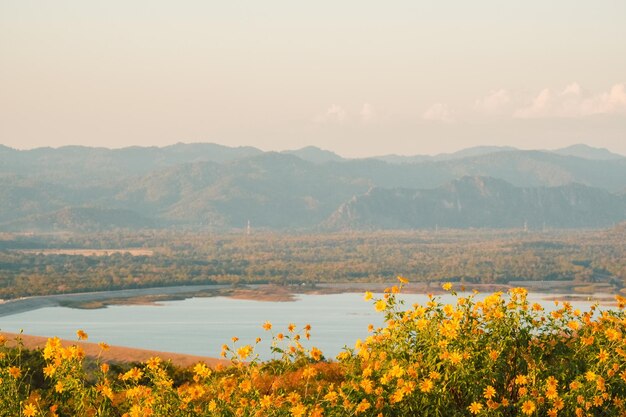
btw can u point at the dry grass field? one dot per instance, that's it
(116, 354)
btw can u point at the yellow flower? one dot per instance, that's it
(574, 325)
(15, 372)
(421, 324)
(403, 280)
(267, 325)
(455, 358)
(201, 370)
(559, 404)
(291, 327)
(426, 385)
(105, 390)
(266, 401)
(612, 334)
(362, 407)
(475, 408)
(298, 410)
(316, 353)
(434, 375)
(29, 410)
(244, 351)
(521, 380)
(588, 341)
(489, 392)
(213, 405)
(528, 407)
(368, 295)
(49, 370)
(380, 305)
(81, 335)
(153, 362)
(245, 385)
(134, 373)
(551, 392)
(331, 397)
(447, 287)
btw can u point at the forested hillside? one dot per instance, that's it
(213, 187)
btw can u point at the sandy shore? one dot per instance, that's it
(117, 353)
(24, 304)
(258, 292)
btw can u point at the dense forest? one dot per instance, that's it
(32, 265)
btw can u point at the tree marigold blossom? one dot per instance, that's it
(380, 305)
(316, 353)
(15, 372)
(403, 280)
(426, 385)
(29, 410)
(528, 407)
(475, 408)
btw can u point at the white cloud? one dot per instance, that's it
(334, 114)
(573, 101)
(438, 112)
(539, 106)
(496, 102)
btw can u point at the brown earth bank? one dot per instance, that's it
(276, 293)
(115, 354)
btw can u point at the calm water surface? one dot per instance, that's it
(200, 326)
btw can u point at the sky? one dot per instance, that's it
(357, 77)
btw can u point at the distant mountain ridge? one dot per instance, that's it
(218, 188)
(481, 202)
(585, 151)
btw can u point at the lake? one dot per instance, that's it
(200, 326)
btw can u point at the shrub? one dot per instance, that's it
(496, 356)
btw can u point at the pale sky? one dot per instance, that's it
(357, 77)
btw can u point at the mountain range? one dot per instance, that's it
(214, 187)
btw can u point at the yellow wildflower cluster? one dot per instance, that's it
(485, 356)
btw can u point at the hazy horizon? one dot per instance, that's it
(306, 146)
(358, 78)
